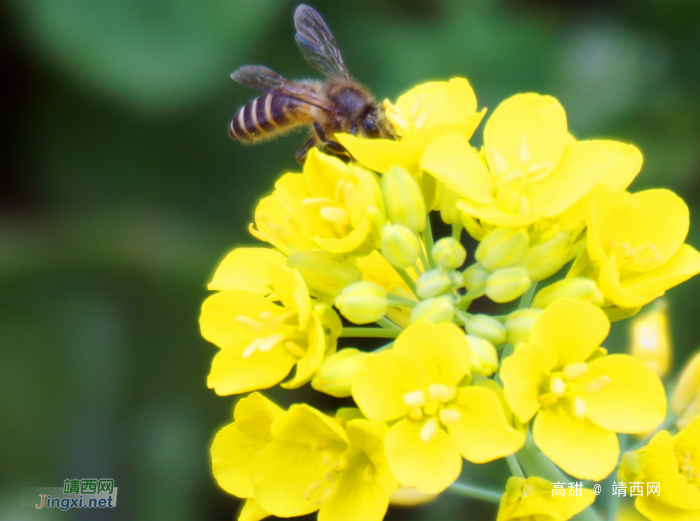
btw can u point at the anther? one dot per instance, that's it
(252, 347)
(524, 155)
(414, 398)
(429, 430)
(558, 386)
(573, 371)
(449, 416)
(316, 202)
(271, 321)
(441, 392)
(579, 408)
(270, 342)
(598, 384)
(335, 215)
(295, 349)
(252, 325)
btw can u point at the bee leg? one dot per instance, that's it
(333, 146)
(301, 155)
(353, 130)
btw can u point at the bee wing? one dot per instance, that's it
(317, 44)
(268, 81)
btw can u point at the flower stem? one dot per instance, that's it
(457, 230)
(428, 241)
(401, 302)
(483, 494)
(407, 279)
(365, 332)
(514, 466)
(387, 324)
(526, 299)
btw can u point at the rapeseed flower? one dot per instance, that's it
(532, 498)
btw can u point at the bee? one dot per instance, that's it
(338, 104)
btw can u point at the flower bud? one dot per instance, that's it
(338, 372)
(519, 324)
(432, 283)
(449, 253)
(545, 259)
(475, 278)
(488, 328)
(501, 248)
(362, 302)
(400, 246)
(575, 287)
(507, 284)
(685, 400)
(325, 274)
(650, 338)
(485, 356)
(403, 199)
(437, 310)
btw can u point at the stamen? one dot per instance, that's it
(316, 202)
(295, 349)
(257, 234)
(524, 155)
(441, 392)
(415, 413)
(579, 408)
(312, 488)
(429, 430)
(414, 398)
(421, 120)
(598, 384)
(271, 321)
(339, 465)
(335, 215)
(499, 162)
(252, 348)
(547, 399)
(326, 495)
(448, 416)
(252, 325)
(573, 371)
(558, 386)
(270, 342)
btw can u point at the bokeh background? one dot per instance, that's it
(121, 191)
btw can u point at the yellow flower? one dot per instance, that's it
(236, 445)
(420, 116)
(262, 341)
(674, 464)
(314, 464)
(635, 246)
(274, 225)
(532, 498)
(417, 385)
(532, 167)
(247, 269)
(581, 398)
(685, 400)
(340, 206)
(650, 338)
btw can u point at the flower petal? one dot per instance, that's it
(483, 433)
(311, 361)
(655, 510)
(217, 321)
(246, 269)
(380, 154)
(430, 467)
(579, 447)
(523, 374)
(634, 401)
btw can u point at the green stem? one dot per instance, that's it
(526, 299)
(424, 261)
(407, 279)
(428, 241)
(457, 230)
(387, 324)
(401, 302)
(514, 466)
(483, 494)
(369, 332)
(463, 316)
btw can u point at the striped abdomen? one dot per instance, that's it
(267, 115)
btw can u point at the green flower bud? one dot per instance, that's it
(485, 356)
(432, 283)
(488, 328)
(501, 248)
(507, 284)
(545, 259)
(403, 199)
(519, 324)
(475, 278)
(400, 246)
(362, 302)
(456, 278)
(325, 274)
(575, 287)
(437, 310)
(449, 253)
(338, 372)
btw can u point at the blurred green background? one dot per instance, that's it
(121, 191)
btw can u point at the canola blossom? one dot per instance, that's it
(363, 287)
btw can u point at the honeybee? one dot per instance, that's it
(338, 104)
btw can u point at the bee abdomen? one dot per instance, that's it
(263, 116)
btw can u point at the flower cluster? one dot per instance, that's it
(353, 240)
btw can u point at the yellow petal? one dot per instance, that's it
(289, 286)
(444, 102)
(323, 172)
(232, 374)
(430, 467)
(236, 446)
(369, 437)
(251, 511)
(655, 510)
(452, 161)
(483, 433)
(356, 496)
(611, 286)
(446, 361)
(689, 439)
(557, 431)
(291, 192)
(308, 364)
(380, 154)
(386, 378)
(246, 269)
(353, 242)
(634, 401)
(574, 328)
(304, 424)
(523, 375)
(584, 165)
